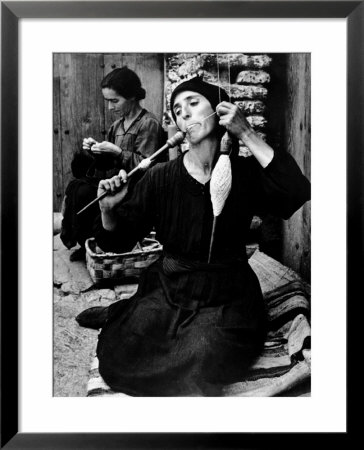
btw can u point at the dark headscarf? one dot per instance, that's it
(214, 94)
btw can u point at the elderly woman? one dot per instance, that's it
(193, 326)
(135, 135)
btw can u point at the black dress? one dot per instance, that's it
(192, 327)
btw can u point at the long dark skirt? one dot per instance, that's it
(78, 228)
(186, 334)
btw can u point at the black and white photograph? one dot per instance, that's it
(182, 224)
(182, 214)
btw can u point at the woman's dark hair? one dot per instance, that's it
(124, 82)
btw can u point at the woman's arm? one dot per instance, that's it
(126, 217)
(278, 185)
(106, 147)
(98, 148)
(117, 189)
(233, 119)
(280, 188)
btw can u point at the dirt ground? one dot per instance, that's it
(74, 346)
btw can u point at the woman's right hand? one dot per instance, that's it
(88, 143)
(117, 189)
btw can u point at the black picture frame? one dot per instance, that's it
(11, 12)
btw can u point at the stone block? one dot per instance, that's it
(251, 106)
(252, 77)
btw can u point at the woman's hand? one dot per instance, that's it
(116, 188)
(233, 119)
(105, 147)
(88, 143)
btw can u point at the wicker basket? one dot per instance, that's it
(119, 267)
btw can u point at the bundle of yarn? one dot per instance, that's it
(220, 183)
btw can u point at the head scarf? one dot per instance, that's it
(214, 94)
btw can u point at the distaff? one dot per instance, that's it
(144, 164)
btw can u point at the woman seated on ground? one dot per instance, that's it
(193, 326)
(135, 135)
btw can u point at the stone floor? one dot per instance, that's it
(74, 346)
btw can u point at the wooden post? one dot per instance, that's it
(81, 104)
(297, 230)
(58, 186)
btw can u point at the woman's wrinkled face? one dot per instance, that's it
(116, 103)
(191, 108)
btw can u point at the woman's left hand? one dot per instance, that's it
(233, 119)
(106, 147)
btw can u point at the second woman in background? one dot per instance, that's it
(135, 135)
